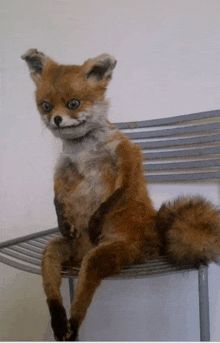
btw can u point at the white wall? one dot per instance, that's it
(168, 64)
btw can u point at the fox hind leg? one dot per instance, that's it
(105, 260)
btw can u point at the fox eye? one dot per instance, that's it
(46, 106)
(73, 104)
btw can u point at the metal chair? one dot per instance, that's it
(179, 149)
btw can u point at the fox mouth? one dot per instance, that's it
(61, 128)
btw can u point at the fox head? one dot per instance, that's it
(71, 98)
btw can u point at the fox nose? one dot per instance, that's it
(57, 120)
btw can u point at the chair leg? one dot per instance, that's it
(71, 289)
(204, 303)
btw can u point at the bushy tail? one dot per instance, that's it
(190, 231)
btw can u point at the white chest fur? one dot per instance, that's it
(87, 170)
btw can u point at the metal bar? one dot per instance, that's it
(169, 166)
(44, 240)
(169, 120)
(155, 267)
(23, 251)
(20, 266)
(198, 152)
(21, 257)
(181, 142)
(27, 237)
(37, 244)
(188, 177)
(71, 288)
(185, 130)
(29, 247)
(140, 275)
(204, 303)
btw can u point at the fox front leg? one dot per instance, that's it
(66, 228)
(55, 254)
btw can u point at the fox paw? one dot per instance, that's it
(73, 232)
(59, 322)
(69, 231)
(66, 334)
(73, 333)
(64, 330)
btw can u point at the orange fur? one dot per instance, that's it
(103, 206)
(104, 210)
(190, 229)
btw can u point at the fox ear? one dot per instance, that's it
(36, 61)
(100, 68)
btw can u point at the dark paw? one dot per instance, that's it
(61, 333)
(68, 230)
(59, 322)
(74, 327)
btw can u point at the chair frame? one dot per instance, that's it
(181, 149)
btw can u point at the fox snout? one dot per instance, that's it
(62, 121)
(58, 120)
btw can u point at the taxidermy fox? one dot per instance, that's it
(105, 215)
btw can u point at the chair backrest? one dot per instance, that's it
(179, 149)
